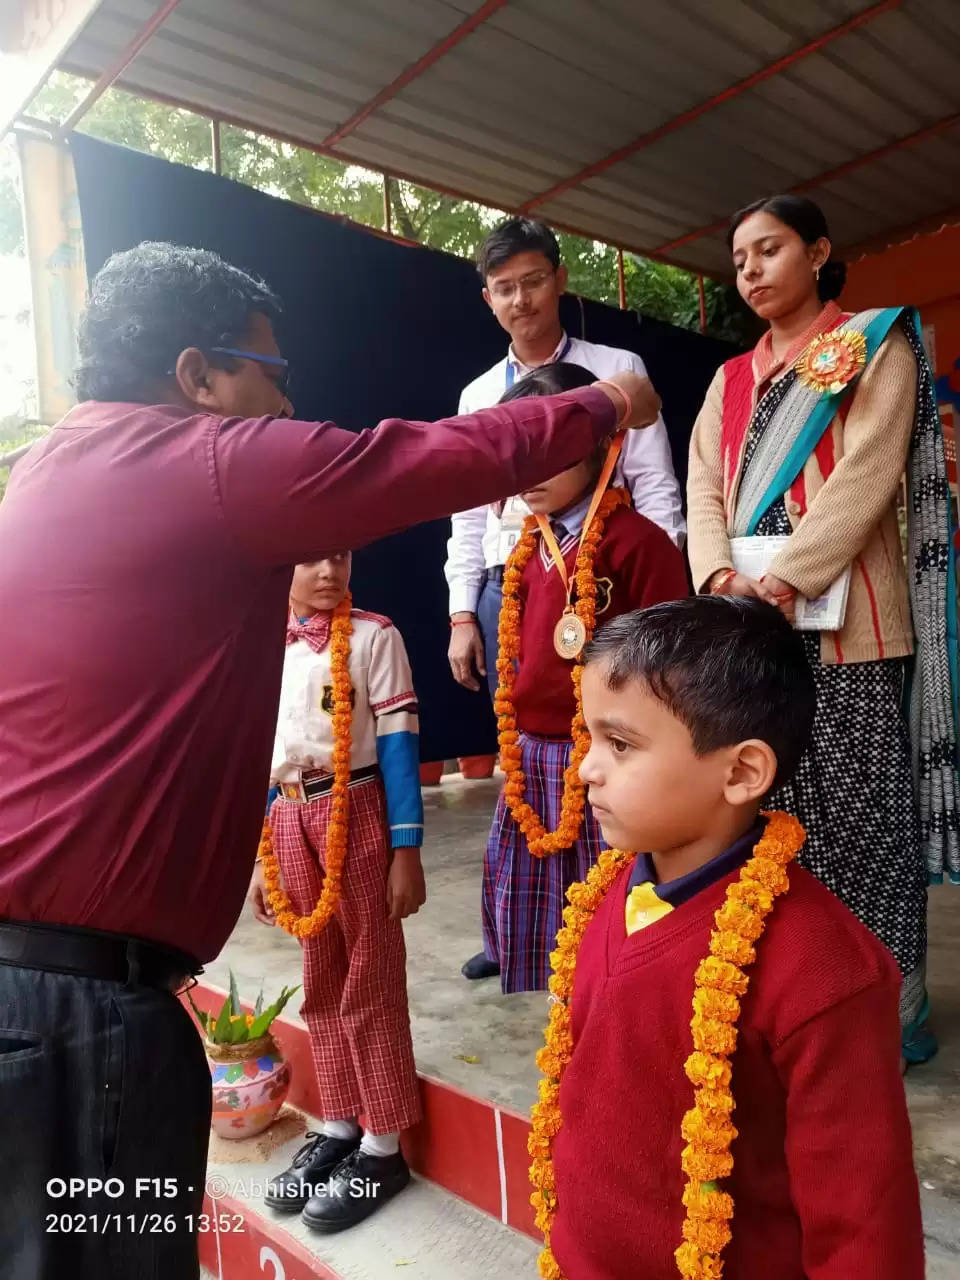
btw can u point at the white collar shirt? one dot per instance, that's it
(645, 468)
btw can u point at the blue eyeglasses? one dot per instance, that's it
(275, 362)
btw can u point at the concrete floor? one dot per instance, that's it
(470, 1035)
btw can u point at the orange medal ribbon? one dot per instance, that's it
(570, 635)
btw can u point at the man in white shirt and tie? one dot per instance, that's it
(523, 281)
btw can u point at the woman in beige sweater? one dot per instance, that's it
(807, 438)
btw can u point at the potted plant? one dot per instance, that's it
(250, 1075)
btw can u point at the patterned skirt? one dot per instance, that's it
(524, 896)
(854, 794)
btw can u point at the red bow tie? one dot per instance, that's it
(315, 631)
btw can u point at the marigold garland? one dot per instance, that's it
(719, 985)
(541, 842)
(341, 629)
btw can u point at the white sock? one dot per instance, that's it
(342, 1129)
(380, 1144)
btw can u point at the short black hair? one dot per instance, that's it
(517, 235)
(729, 668)
(807, 219)
(549, 380)
(552, 380)
(148, 304)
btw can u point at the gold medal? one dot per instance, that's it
(569, 635)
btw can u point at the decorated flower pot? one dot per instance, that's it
(250, 1083)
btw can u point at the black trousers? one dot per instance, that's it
(488, 619)
(104, 1123)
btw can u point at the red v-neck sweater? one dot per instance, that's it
(636, 565)
(823, 1179)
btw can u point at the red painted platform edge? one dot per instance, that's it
(456, 1143)
(260, 1247)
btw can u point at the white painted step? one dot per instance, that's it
(424, 1233)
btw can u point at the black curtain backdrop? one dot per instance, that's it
(373, 329)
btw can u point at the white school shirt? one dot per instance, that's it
(645, 468)
(381, 679)
(385, 725)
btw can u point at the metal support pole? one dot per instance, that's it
(703, 304)
(387, 211)
(215, 146)
(621, 281)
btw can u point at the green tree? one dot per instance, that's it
(443, 222)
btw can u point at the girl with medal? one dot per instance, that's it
(584, 556)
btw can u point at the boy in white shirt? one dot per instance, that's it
(354, 969)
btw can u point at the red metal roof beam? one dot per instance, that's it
(416, 69)
(921, 135)
(119, 65)
(734, 91)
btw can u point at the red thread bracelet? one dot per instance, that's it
(463, 622)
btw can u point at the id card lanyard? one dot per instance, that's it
(512, 368)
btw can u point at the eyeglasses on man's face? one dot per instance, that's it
(278, 368)
(532, 282)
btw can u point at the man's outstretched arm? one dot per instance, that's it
(293, 491)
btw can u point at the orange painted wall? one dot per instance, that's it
(925, 272)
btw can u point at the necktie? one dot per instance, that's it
(560, 531)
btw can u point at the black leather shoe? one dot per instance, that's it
(358, 1187)
(312, 1166)
(479, 966)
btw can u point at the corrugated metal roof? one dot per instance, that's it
(540, 90)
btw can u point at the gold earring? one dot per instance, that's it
(816, 273)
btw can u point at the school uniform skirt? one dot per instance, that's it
(524, 896)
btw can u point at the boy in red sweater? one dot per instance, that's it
(697, 710)
(635, 564)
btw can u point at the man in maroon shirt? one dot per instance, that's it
(146, 551)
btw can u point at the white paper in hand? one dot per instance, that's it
(753, 557)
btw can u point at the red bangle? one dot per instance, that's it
(782, 595)
(463, 622)
(628, 412)
(725, 577)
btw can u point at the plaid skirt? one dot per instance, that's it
(524, 896)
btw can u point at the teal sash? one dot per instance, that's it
(795, 427)
(819, 417)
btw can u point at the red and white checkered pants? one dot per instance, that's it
(354, 972)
